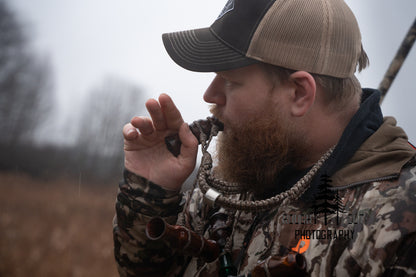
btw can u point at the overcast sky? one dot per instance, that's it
(87, 40)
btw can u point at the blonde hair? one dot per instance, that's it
(337, 92)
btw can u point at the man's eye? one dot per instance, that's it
(229, 84)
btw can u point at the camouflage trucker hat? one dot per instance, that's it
(318, 36)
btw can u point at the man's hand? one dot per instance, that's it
(145, 149)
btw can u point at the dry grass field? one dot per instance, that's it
(55, 228)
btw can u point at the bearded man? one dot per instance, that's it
(309, 178)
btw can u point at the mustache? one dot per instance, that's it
(215, 111)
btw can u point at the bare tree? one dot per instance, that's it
(25, 82)
(108, 107)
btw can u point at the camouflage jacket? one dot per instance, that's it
(370, 231)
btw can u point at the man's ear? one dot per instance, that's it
(303, 95)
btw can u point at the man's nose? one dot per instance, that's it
(215, 92)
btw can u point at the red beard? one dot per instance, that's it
(255, 153)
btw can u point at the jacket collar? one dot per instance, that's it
(363, 124)
(370, 147)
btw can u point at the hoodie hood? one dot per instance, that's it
(370, 148)
(383, 154)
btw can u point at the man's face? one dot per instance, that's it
(259, 139)
(241, 95)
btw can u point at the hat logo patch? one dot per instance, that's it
(227, 8)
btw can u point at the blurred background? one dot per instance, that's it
(72, 73)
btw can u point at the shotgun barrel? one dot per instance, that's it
(398, 60)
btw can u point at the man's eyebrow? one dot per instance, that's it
(223, 74)
(220, 74)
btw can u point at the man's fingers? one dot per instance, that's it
(144, 124)
(156, 114)
(129, 132)
(173, 117)
(189, 146)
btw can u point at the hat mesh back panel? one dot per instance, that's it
(319, 36)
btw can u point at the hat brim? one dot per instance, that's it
(200, 50)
